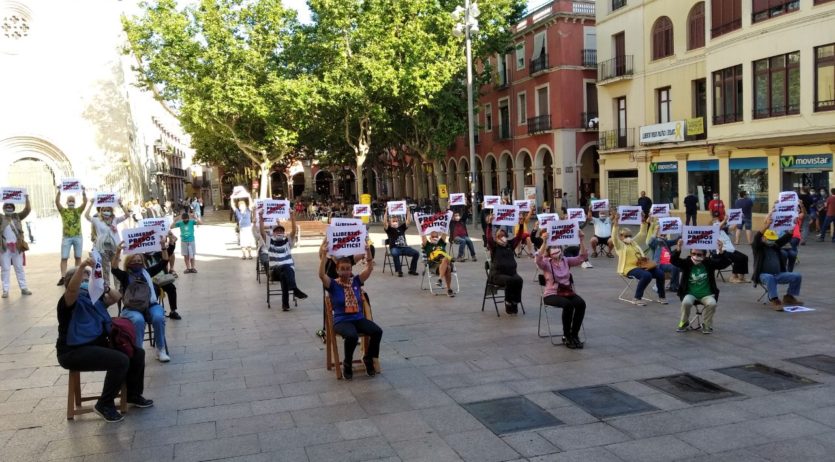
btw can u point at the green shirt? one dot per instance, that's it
(186, 230)
(699, 285)
(71, 219)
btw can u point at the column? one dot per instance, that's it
(308, 179)
(518, 182)
(539, 182)
(681, 158)
(725, 178)
(775, 176)
(501, 172)
(604, 178)
(642, 159)
(486, 180)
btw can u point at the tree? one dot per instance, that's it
(222, 64)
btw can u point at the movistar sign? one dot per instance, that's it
(663, 167)
(806, 161)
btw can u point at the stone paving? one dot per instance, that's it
(246, 383)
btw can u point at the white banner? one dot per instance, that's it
(782, 222)
(457, 199)
(505, 215)
(669, 225)
(563, 232)
(660, 133)
(397, 208)
(141, 240)
(630, 215)
(346, 239)
(660, 210)
(788, 197)
(734, 217)
(278, 209)
(71, 186)
(785, 207)
(427, 223)
(106, 199)
(13, 195)
(546, 218)
(577, 215)
(162, 225)
(523, 205)
(601, 205)
(362, 210)
(700, 237)
(491, 201)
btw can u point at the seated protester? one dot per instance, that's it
(503, 273)
(559, 290)
(459, 235)
(739, 259)
(698, 283)
(440, 262)
(139, 299)
(396, 232)
(163, 283)
(770, 266)
(83, 344)
(797, 237)
(661, 254)
(280, 261)
(524, 236)
(349, 319)
(632, 263)
(602, 233)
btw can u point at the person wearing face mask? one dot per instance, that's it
(747, 205)
(13, 245)
(633, 263)
(458, 232)
(602, 233)
(770, 267)
(281, 268)
(559, 290)
(503, 272)
(396, 231)
(107, 238)
(698, 283)
(440, 262)
(188, 247)
(71, 226)
(716, 205)
(244, 217)
(739, 259)
(661, 253)
(349, 321)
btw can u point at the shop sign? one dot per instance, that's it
(662, 133)
(663, 167)
(806, 161)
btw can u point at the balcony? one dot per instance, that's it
(539, 64)
(539, 124)
(582, 8)
(589, 120)
(616, 139)
(502, 133)
(617, 67)
(618, 4)
(589, 58)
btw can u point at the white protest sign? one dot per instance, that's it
(397, 207)
(70, 186)
(278, 209)
(362, 210)
(159, 224)
(577, 214)
(141, 240)
(563, 232)
(630, 215)
(788, 197)
(438, 222)
(669, 225)
(782, 222)
(601, 205)
(491, 201)
(106, 199)
(505, 215)
(523, 205)
(346, 238)
(96, 285)
(700, 237)
(457, 199)
(785, 207)
(734, 217)
(13, 195)
(546, 218)
(660, 210)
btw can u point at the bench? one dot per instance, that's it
(310, 230)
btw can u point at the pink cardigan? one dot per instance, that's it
(560, 270)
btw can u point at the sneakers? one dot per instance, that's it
(108, 413)
(707, 329)
(139, 401)
(663, 301)
(790, 300)
(60, 282)
(347, 370)
(639, 302)
(775, 304)
(586, 265)
(25, 291)
(162, 356)
(570, 343)
(577, 342)
(299, 294)
(450, 293)
(682, 327)
(369, 367)
(174, 315)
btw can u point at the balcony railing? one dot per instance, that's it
(589, 120)
(502, 133)
(539, 64)
(618, 4)
(539, 124)
(589, 58)
(582, 8)
(727, 118)
(616, 139)
(619, 66)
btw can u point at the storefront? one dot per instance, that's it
(806, 170)
(703, 179)
(750, 174)
(665, 183)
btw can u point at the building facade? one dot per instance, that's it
(715, 96)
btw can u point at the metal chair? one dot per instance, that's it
(492, 290)
(388, 260)
(427, 274)
(628, 280)
(274, 289)
(544, 308)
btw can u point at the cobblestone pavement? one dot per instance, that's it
(248, 383)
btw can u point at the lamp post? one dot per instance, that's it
(467, 24)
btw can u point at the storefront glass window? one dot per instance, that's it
(665, 183)
(703, 180)
(750, 175)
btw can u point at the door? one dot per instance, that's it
(504, 121)
(542, 101)
(591, 106)
(620, 54)
(621, 122)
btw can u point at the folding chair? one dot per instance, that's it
(720, 273)
(696, 320)
(492, 290)
(764, 295)
(427, 275)
(260, 269)
(332, 360)
(274, 289)
(388, 260)
(544, 308)
(628, 280)
(600, 249)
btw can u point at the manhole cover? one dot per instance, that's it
(823, 363)
(763, 376)
(604, 401)
(689, 388)
(508, 415)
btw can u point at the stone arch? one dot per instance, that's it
(23, 147)
(490, 166)
(520, 157)
(539, 158)
(588, 171)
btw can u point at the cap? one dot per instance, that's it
(770, 234)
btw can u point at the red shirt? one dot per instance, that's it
(716, 205)
(830, 206)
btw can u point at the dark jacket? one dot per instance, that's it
(718, 261)
(759, 248)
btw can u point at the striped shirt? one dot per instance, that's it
(280, 252)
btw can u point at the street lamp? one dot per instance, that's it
(466, 23)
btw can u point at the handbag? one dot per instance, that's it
(122, 336)
(563, 290)
(646, 263)
(163, 279)
(22, 245)
(137, 295)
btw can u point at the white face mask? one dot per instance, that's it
(434, 240)
(395, 224)
(627, 240)
(107, 214)
(556, 253)
(697, 259)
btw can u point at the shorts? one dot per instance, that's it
(75, 242)
(171, 249)
(187, 249)
(746, 223)
(602, 239)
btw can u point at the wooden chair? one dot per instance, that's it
(332, 360)
(75, 400)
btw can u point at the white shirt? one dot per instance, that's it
(726, 242)
(105, 232)
(602, 227)
(9, 233)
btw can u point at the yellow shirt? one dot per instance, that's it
(628, 254)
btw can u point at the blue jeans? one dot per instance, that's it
(397, 252)
(644, 277)
(791, 254)
(673, 270)
(157, 314)
(825, 227)
(464, 241)
(770, 281)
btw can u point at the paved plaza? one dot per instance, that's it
(247, 383)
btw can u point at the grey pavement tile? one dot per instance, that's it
(329, 398)
(430, 448)
(529, 444)
(481, 446)
(580, 455)
(737, 455)
(18, 407)
(253, 424)
(177, 434)
(787, 426)
(352, 451)
(289, 455)
(568, 438)
(723, 438)
(661, 448)
(217, 448)
(137, 454)
(247, 394)
(298, 437)
(481, 392)
(25, 452)
(291, 403)
(424, 397)
(402, 425)
(212, 413)
(276, 379)
(825, 415)
(328, 414)
(796, 449)
(211, 386)
(713, 414)
(649, 425)
(74, 447)
(356, 429)
(382, 402)
(450, 419)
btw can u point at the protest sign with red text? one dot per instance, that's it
(457, 199)
(13, 195)
(601, 205)
(397, 207)
(141, 240)
(491, 201)
(563, 232)
(106, 199)
(362, 210)
(630, 215)
(700, 237)
(576, 214)
(505, 215)
(71, 186)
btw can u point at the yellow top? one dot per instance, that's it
(628, 254)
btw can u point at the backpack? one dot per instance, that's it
(123, 336)
(137, 295)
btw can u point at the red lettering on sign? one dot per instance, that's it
(576, 214)
(628, 214)
(669, 226)
(783, 221)
(342, 241)
(492, 201)
(396, 207)
(362, 209)
(70, 185)
(561, 231)
(139, 240)
(694, 238)
(429, 221)
(505, 215)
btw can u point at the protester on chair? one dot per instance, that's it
(349, 319)
(739, 259)
(520, 230)
(459, 235)
(503, 273)
(281, 267)
(559, 289)
(661, 253)
(602, 234)
(632, 263)
(83, 345)
(440, 262)
(698, 283)
(396, 231)
(770, 267)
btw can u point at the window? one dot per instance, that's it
(825, 77)
(696, 27)
(542, 101)
(488, 117)
(777, 86)
(665, 183)
(618, 4)
(520, 55)
(725, 16)
(699, 111)
(764, 9)
(821, 2)
(662, 38)
(522, 108)
(750, 175)
(504, 119)
(727, 95)
(539, 59)
(501, 67)
(662, 96)
(620, 123)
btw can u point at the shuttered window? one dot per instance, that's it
(662, 38)
(725, 16)
(696, 27)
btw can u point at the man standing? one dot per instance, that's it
(691, 206)
(716, 205)
(770, 266)
(645, 203)
(458, 234)
(396, 232)
(747, 205)
(71, 224)
(829, 206)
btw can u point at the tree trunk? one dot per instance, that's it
(440, 179)
(362, 154)
(265, 177)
